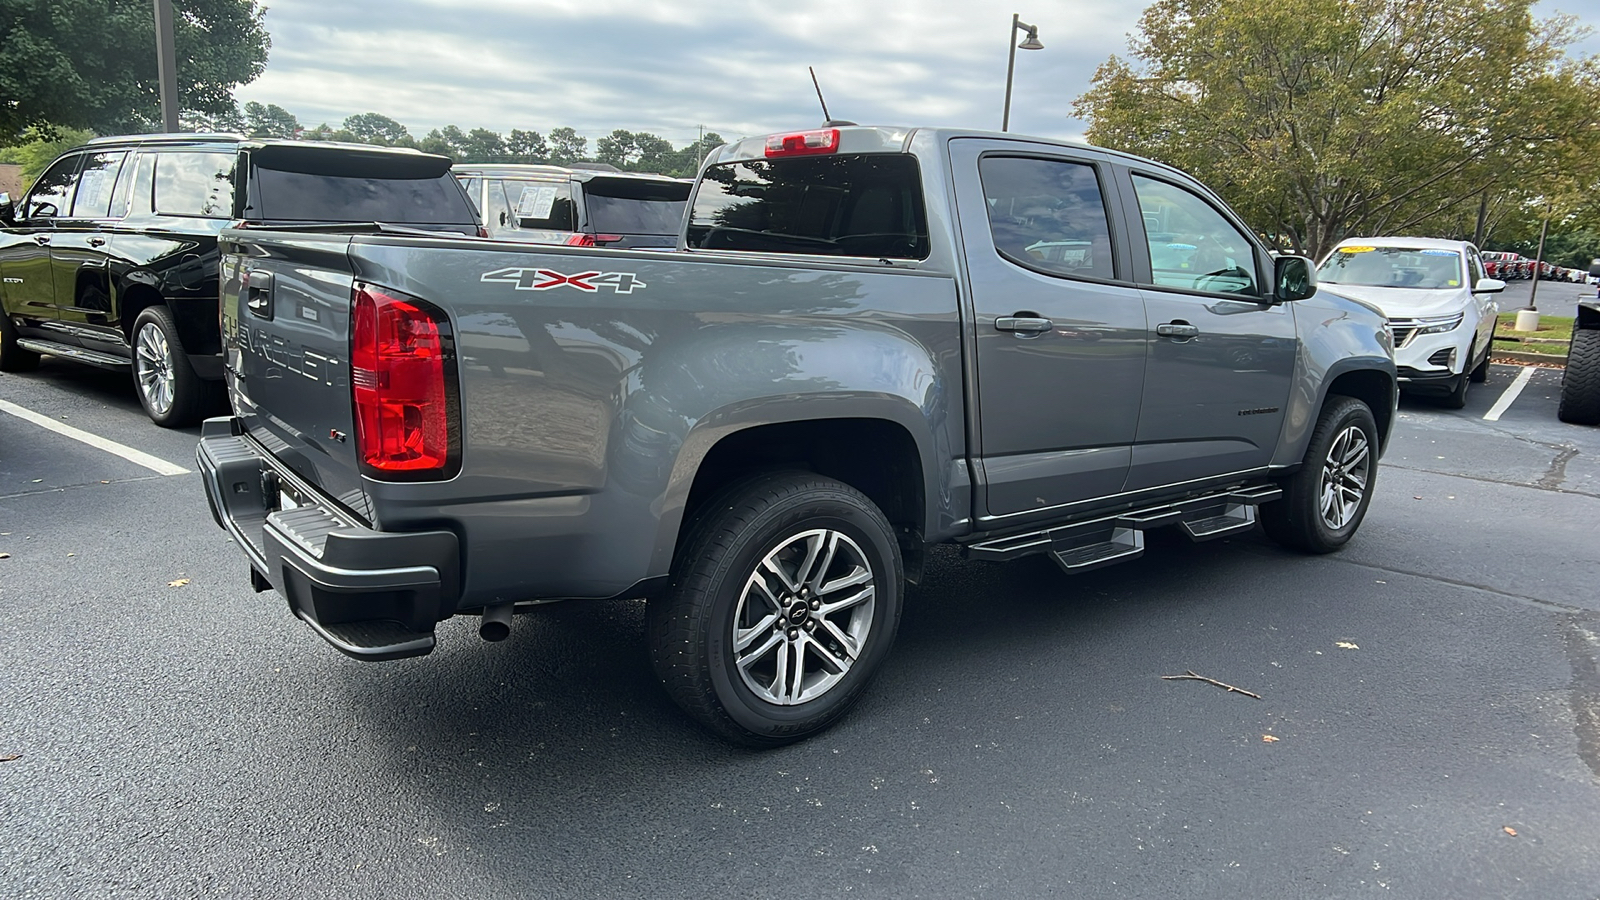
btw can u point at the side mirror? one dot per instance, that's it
(1293, 278)
(1488, 286)
(1594, 268)
(8, 210)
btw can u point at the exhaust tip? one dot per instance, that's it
(496, 624)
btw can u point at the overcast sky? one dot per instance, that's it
(737, 67)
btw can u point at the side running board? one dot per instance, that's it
(1113, 538)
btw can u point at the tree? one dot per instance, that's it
(527, 146)
(270, 120)
(483, 145)
(229, 121)
(92, 63)
(1319, 119)
(39, 150)
(567, 147)
(373, 128)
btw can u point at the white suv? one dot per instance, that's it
(1437, 300)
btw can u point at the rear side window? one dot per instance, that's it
(635, 206)
(308, 197)
(95, 185)
(847, 205)
(194, 184)
(1048, 214)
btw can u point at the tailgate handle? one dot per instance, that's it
(258, 294)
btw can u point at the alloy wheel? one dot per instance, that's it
(803, 617)
(154, 367)
(1345, 476)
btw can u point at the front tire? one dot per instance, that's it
(168, 388)
(1324, 501)
(12, 357)
(1580, 385)
(783, 605)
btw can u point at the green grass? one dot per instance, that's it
(1549, 327)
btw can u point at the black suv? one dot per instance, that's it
(111, 259)
(589, 207)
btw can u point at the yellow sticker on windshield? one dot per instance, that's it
(1357, 249)
(1454, 282)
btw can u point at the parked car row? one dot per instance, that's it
(1508, 266)
(111, 258)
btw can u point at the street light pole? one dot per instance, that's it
(167, 64)
(1030, 43)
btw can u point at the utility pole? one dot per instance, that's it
(167, 64)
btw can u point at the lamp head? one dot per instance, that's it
(1032, 41)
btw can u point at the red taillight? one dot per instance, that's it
(483, 232)
(803, 143)
(398, 378)
(581, 240)
(607, 238)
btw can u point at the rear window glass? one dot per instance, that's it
(537, 205)
(849, 205)
(305, 197)
(635, 206)
(194, 184)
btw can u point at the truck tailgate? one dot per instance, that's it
(286, 328)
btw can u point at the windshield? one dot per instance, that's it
(846, 205)
(1397, 267)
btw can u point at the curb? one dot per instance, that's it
(1512, 357)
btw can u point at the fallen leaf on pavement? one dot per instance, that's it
(10, 756)
(1269, 739)
(5, 556)
(1345, 645)
(179, 583)
(1509, 830)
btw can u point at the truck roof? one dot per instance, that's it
(539, 170)
(897, 139)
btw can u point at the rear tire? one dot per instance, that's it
(171, 393)
(1580, 385)
(1325, 501)
(784, 603)
(12, 357)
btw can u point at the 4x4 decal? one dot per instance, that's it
(545, 279)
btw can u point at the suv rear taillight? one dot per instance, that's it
(581, 240)
(403, 384)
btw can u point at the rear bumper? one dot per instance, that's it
(374, 595)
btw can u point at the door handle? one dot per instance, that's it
(41, 239)
(1023, 324)
(1178, 329)
(97, 242)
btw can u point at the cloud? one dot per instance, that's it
(667, 67)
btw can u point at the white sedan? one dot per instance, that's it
(1436, 297)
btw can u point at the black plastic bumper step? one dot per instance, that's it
(377, 640)
(1124, 543)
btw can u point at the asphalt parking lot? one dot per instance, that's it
(1429, 721)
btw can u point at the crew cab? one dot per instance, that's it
(869, 340)
(111, 259)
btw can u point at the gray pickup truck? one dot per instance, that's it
(869, 340)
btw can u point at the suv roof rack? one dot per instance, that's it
(165, 136)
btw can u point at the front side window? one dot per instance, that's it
(1396, 267)
(1192, 246)
(51, 196)
(1048, 215)
(837, 205)
(96, 184)
(538, 205)
(194, 184)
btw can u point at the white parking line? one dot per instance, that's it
(1510, 396)
(137, 457)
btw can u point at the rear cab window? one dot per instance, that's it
(863, 205)
(635, 205)
(323, 186)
